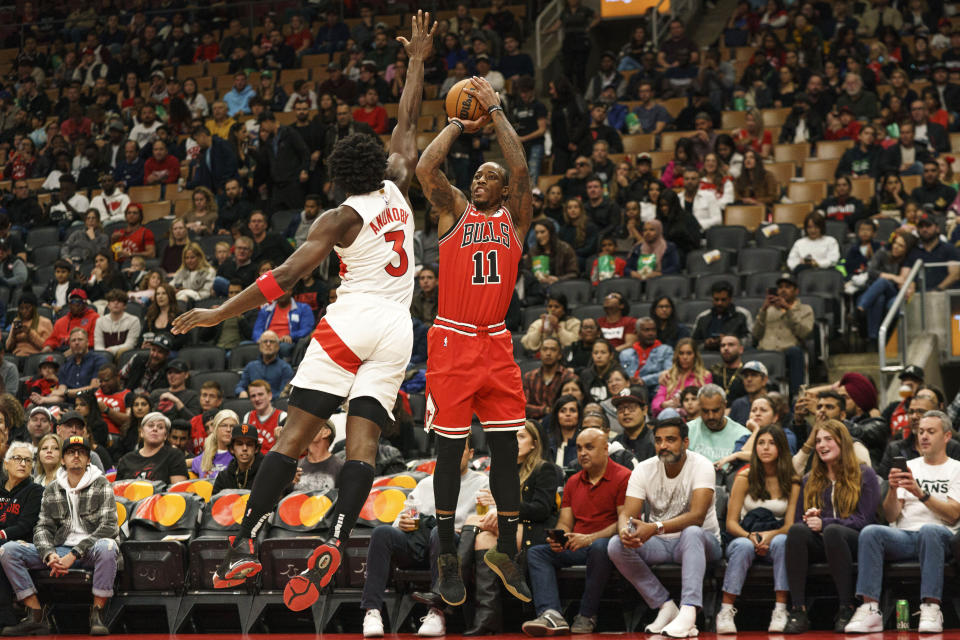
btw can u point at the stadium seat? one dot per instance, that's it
(754, 259)
(727, 237)
(775, 117)
(784, 172)
(45, 254)
(203, 358)
(749, 216)
(833, 149)
(638, 143)
(577, 291)
(757, 284)
(791, 213)
(697, 262)
(863, 188)
(688, 310)
(885, 227)
(630, 288)
(242, 354)
(802, 192)
(702, 285)
(820, 169)
(529, 314)
(668, 139)
(675, 286)
(795, 153)
(226, 379)
(588, 311)
(781, 235)
(42, 237)
(837, 230)
(240, 406)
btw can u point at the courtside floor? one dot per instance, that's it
(953, 634)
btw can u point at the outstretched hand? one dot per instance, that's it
(420, 43)
(483, 92)
(195, 318)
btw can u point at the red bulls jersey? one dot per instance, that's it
(478, 267)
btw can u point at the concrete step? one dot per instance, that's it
(865, 363)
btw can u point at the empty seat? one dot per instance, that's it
(204, 358)
(749, 216)
(754, 259)
(43, 236)
(226, 379)
(779, 234)
(45, 254)
(585, 311)
(708, 261)
(731, 238)
(577, 291)
(629, 288)
(676, 287)
(814, 191)
(242, 354)
(688, 310)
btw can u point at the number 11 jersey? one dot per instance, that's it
(478, 268)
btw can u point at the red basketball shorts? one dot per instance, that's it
(472, 371)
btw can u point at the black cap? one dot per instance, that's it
(788, 278)
(245, 431)
(75, 441)
(29, 297)
(49, 360)
(636, 393)
(72, 415)
(162, 340)
(912, 371)
(178, 365)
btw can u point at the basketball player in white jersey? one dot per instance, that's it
(360, 348)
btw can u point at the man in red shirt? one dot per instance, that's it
(80, 315)
(264, 416)
(592, 500)
(371, 112)
(617, 326)
(135, 239)
(161, 167)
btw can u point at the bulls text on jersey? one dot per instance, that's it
(482, 232)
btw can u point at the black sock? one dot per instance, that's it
(446, 489)
(505, 487)
(356, 479)
(276, 473)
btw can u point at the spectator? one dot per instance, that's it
(669, 330)
(653, 117)
(927, 133)
(39, 424)
(905, 157)
(728, 373)
(104, 276)
(871, 431)
(597, 129)
(211, 401)
(828, 519)
(580, 354)
(843, 206)
(216, 456)
(713, 434)
(916, 407)
(264, 417)
(648, 357)
(568, 114)
(723, 318)
(588, 518)
(80, 315)
(616, 325)
(176, 400)
(714, 178)
(161, 313)
(221, 122)
(755, 378)
(425, 300)
(599, 208)
(861, 102)
(756, 185)
(13, 271)
(863, 159)
(216, 163)
(679, 227)
(155, 459)
(129, 170)
(603, 363)
(607, 265)
(703, 204)
(45, 387)
(930, 248)
(552, 259)
(29, 330)
(932, 193)
(48, 461)
(804, 124)
(179, 436)
(631, 411)
(83, 244)
(783, 324)
(135, 239)
(286, 319)
(148, 371)
(68, 205)
(238, 98)
(895, 413)
(814, 250)
(320, 471)
(111, 403)
(687, 369)
(371, 112)
(555, 323)
(529, 117)
(770, 484)
(244, 449)
(239, 267)
(577, 22)
(542, 385)
(514, 63)
(285, 161)
(144, 132)
(19, 510)
(80, 365)
(754, 136)
(80, 531)
(679, 528)
(194, 279)
(574, 182)
(161, 167)
(578, 231)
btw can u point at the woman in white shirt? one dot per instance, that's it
(815, 250)
(196, 101)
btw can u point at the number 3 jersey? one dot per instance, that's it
(380, 260)
(478, 259)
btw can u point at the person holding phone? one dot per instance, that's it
(783, 324)
(923, 509)
(592, 501)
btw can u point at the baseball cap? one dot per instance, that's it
(846, 110)
(77, 293)
(162, 340)
(483, 57)
(756, 366)
(370, 65)
(537, 193)
(178, 365)
(636, 393)
(159, 74)
(788, 278)
(75, 441)
(912, 371)
(926, 218)
(49, 360)
(72, 415)
(42, 410)
(245, 431)
(703, 115)
(644, 157)
(116, 125)
(266, 73)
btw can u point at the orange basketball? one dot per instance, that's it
(460, 104)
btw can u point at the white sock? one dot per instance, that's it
(725, 607)
(780, 606)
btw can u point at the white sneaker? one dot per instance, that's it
(866, 619)
(778, 620)
(725, 623)
(668, 611)
(433, 624)
(931, 618)
(372, 624)
(684, 625)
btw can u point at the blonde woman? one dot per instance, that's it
(202, 218)
(216, 454)
(48, 459)
(194, 279)
(687, 370)
(838, 498)
(538, 512)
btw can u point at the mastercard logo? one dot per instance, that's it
(202, 488)
(164, 509)
(427, 467)
(228, 510)
(302, 510)
(402, 480)
(111, 476)
(383, 505)
(121, 514)
(133, 490)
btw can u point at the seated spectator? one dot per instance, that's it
(815, 249)
(68, 206)
(245, 463)
(161, 167)
(863, 159)
(687, 369)
(680, 227)
(783, 324)
(631, 411)
(754, 136)
(599, 208)
(20, 508)
(715, 178)
(45, 388)
(607, 265)
(29, 330)
(664, 314)
(552, 259)
(604, 362)
(268, 245)
(755, 185)
(702, 203)
(135, 239)
(617, 381)
(238, 98)
(728, 373)
(144, 130)
(769, 483)
(216, 456)
(179, 436)
(681, 528)
(597, 129)
(80, 364)
(211, 401)
(371, 111)
(653, 117)
(161, 313)
(804, 124)
(588, 518)
(578, 231)
(564, 424)
(724, 318)
(932, 191)
(555, 323)
(148, 371)
(580, 353)
(286, 319)
(928, 134)
(542, 385)
(828, 521)
(869, 429)
(264, 416)
(684, 155)
(842, 205)
(320, 470)
(425, 300)
(80, 315)
(47, 461)
(648, 357)
(202, 217)
(155, 459)
(194, 279)
(111, 402)
(13, 270)
(176, 401)
(861, 102)
(104, 276)
(911, 381)
(616, 325)
(930, 248)
(905, 157)
(216, 163)
(88, 521)
(754, 377)
(411, 541)
(82, 244)
(219, 125)
(908, 447)
(713, 434)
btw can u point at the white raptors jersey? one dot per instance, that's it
(380, 260)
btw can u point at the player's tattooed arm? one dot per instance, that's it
(443, 196)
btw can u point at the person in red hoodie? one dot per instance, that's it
(80, 316)
(371, 112)
(161, 167)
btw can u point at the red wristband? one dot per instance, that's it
(268, 286)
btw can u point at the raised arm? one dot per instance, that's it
(403, 143)
(519, 193)
(335, 226)
(445, 199)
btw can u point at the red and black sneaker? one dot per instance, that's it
(302, 590)
(240, 563)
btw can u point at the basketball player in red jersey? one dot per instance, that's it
(470, 365)
(361, 347)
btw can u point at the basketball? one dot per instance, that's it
(300, 593)
(462, 105)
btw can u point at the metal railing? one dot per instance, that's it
(548, 15)
(898, 309)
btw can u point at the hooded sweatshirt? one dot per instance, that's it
(77, 532)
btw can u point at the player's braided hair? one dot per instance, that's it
(358, 163)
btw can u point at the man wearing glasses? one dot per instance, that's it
(19, 508)
(924, 400)
(269, 367)
(61, 541)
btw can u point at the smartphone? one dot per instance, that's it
(771, 291)
(558, 535)
(899, 462)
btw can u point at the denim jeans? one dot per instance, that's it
(387, 544)
(544, 562)
(692, 550)
(794, 357)
(19, 558)
(741, 554)
(535, 152)
(628, 63)
(930, 545)
(875, 301)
